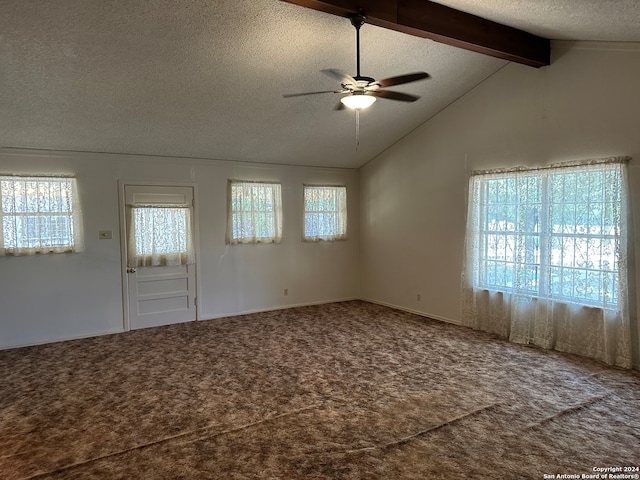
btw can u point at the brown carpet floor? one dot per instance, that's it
(348, 390)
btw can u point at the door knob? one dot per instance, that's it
(131, 270)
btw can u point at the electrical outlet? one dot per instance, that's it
(286, 292)
(105, 234)
(418, 297)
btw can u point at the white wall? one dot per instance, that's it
(54, 297)
(413, 196)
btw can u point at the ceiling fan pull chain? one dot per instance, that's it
(357, 128)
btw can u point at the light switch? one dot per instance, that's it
(105, 234)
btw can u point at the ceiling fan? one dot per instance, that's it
(362, 91)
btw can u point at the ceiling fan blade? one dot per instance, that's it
(401, 79)
(339, 75)
(289, 95)
(391, 95)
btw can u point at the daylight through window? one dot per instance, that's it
(550, 233)
(255, 212)
(160, 235)
(325, 212)
(40, 215)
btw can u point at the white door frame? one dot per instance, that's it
(123, 240)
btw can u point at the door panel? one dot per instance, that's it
(159, 295)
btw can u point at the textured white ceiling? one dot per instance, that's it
(203, 78)
(593, 20)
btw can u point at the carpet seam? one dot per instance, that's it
(409, 438)
(173, 437)
(567, 411)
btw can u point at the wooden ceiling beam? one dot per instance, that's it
(427, 19)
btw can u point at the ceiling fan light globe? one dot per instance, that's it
(358, 101)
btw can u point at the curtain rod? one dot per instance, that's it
(574, 163)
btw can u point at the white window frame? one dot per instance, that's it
(39, 214)
(259, 218)
(325, 221)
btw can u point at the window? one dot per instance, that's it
(325, 212)
(546, 258)
(39, 215)
(160, 235)
(255, 212)
(550, 233)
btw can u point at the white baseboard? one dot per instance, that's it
(273, 309)
(63, 339)
(411, 310)
(233, 314)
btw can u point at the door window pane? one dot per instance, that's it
(160, 235)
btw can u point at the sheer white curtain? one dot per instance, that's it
(546, 257)
(325, 212)
(254, 212)
(40, 215)
(160, 235)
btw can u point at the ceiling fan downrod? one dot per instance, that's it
(357, 20)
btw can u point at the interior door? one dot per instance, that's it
(161, 273)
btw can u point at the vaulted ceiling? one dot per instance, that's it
(205, 79)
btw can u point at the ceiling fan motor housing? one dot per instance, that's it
(360, 85)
